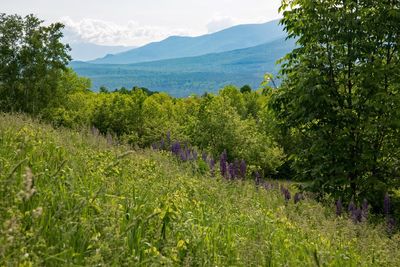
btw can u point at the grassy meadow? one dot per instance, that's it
(72, 198)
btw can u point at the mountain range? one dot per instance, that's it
(183, 66)
(237, 37)
(88, 51)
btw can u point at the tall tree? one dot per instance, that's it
(32, 60)
(340, 94)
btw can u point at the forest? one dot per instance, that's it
(327, 135)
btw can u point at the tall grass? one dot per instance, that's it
(69, 198)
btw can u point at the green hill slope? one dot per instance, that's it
(70, 199)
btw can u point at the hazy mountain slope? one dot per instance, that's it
(88, 51)
(185, 76)
(237, 37)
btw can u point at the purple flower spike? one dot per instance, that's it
(154, 146)
(356, 215)
(162, 144)
(386, 204)
(391, 225)
(297, 197)
(168, 137)
(243, 168)
(194, 154)
(287, 194)
(352, 206)
(231, 169)
(222, 163)
(257, 178)
(176, 148)
(364, 209)
(204, 156)
(212, 167)
(339, 207)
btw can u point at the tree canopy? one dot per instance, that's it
(340, 94)
(33, 61)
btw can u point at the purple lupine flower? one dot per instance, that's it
(352, 206)
(364, 209)
(287, 194)
(168, 137)
(390, 225)
(339, 207)
(237, 167)
(231, 170)
(194, 153)
(356, 215)
(162, 144)
(176, 148)
(267, 186)
(257, 178)
(154, 146)
(183, 156)
(204, 156)
(386, 204)
(109, 138)
(212, 167)
(222, 163)
(297, 197)
(243, 168)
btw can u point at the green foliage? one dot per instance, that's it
(340, 98)
(69, 198)
(32, 63)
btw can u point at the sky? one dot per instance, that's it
(137, 22)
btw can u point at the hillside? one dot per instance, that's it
(193, 75)
(70, 198)
(237, 37)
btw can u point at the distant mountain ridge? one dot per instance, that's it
(181, 77)
(89, 51)
(237, 37)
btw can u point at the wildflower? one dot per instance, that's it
(194, 153)
(352, 206)
(297, 197)
(109, 138)
(339, 207)
(162, 144)
(212, 167)
(204, 156)
(364, 209)
(168, 137)
(391, 225)
(266, 186)
(222, 163)
(386, 204)
(176, 148)
(356, 215)
(243, 168)
(36, 213)
(286, 194)
(29, 190)
(257, 178)
(231, 170)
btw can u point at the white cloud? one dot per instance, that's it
(219, 23)
(109, 33)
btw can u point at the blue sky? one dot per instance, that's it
(137, 22)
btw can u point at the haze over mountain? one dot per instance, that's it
(237, 37)
(192, 75)
(89, 51)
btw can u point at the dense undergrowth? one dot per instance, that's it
(69, 198)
